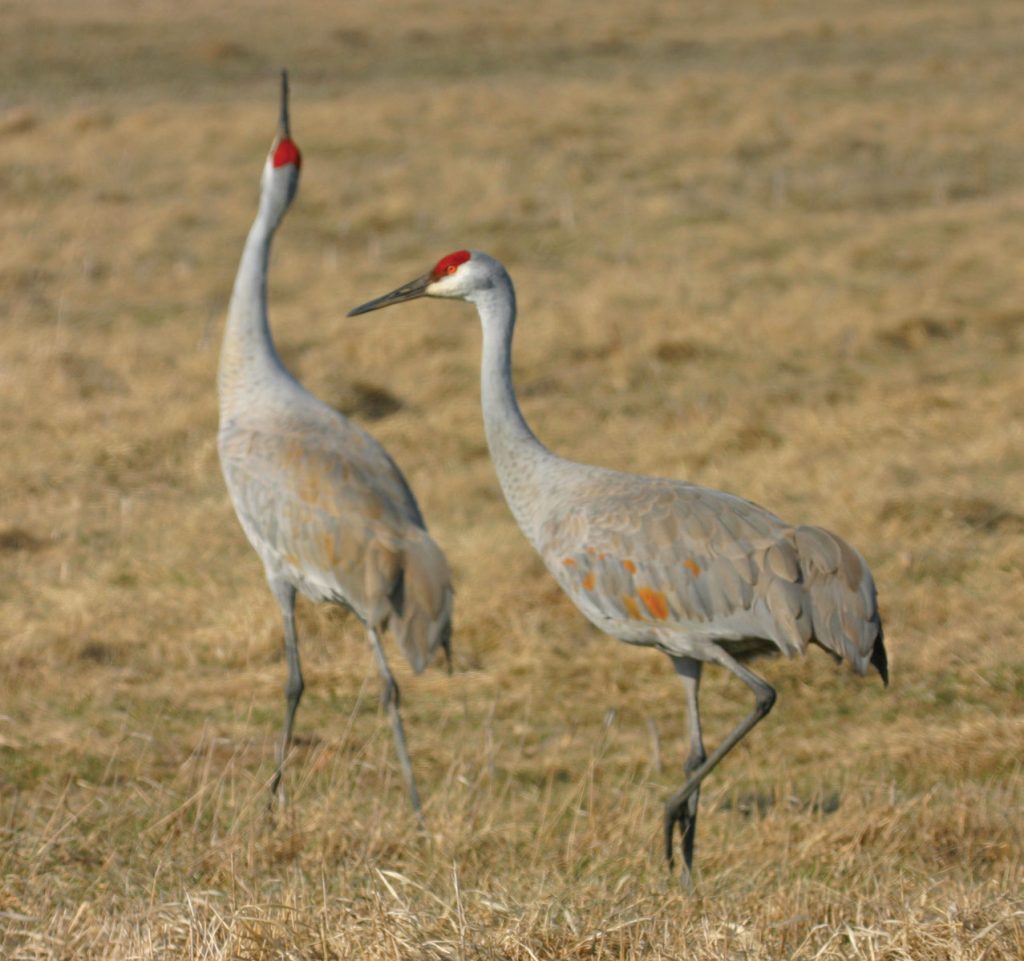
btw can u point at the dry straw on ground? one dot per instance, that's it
(774, 248)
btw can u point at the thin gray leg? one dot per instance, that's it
(285, 595)
(390, 697)
(677, 808)
(689, 671)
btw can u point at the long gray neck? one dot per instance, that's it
(249, 361)
(519, 458)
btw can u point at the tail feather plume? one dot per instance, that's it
(879, 659)
(421, 617)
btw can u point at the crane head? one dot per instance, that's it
(280, 178)
(284, 151)
(459, 275)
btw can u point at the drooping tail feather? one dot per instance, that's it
(879, 659)
(421, 617)
(842, 599)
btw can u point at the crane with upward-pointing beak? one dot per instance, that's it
(325, 507)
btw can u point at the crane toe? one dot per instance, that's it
(676, 813)
(684, 815)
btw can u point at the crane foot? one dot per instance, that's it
(684, 814)
(675, 814)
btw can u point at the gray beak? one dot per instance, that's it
(410, 291)
(283, 129)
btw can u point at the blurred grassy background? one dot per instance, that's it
(772, 248)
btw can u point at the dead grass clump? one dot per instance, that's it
(217, 50)
(976, 514)
(367, 401)
(89, 375)
(19, 539)
(17, 120)
(681, 351)
(916, 332)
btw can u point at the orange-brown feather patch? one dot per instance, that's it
(655, 602)
(569, 562)
(327, 542)
(588, 581)
(632, 607)
(692, 566)
(309, 486)
(630, 566)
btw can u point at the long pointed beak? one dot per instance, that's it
(410, 291)
(283, 128)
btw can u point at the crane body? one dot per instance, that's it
(321, 501)
(701, 575)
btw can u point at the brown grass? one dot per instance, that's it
(773, 248)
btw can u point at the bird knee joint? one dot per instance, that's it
(694, 761)
(390, 695)
(765, 700)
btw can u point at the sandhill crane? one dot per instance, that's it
(699, 574)
(325, 507)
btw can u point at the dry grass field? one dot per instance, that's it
(776, 248)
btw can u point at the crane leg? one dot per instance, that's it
(285, 595)
(678, 808)
(689, 671)
(390, 697)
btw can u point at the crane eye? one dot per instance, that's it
(449, 264)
